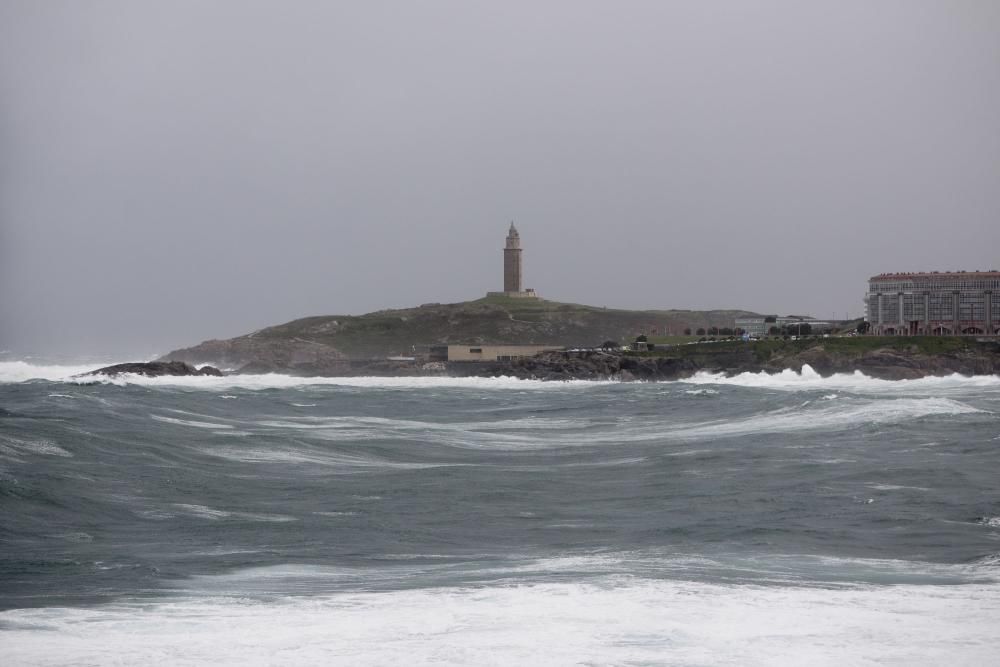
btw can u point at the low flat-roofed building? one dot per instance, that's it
(486, 352)
(755, 326)
(761, 325)
(934, 304)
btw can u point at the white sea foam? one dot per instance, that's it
(277, 381)
(897, 487)
(839, 415)
(302, 455)
(190, 422)
(543, 433)
(14, 448)
(532, 424)
(215, 514)
(833, 415)
(508, 434)
(857, 382)
(791, 380)
(607, 621)
(203, 511)
(22, 371)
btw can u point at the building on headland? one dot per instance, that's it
(761, 325)
(512, 275)
(512, 287)
(486, 352)
(934, 304)
(755, 326)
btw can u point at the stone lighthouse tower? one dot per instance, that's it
(512, 285)
(512, 261)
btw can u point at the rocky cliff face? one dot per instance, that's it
(251, 354)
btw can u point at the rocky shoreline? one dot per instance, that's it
(886, 363)
(889, 359)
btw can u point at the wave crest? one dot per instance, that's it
(858, 382)
(12, 372)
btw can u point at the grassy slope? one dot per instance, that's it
(488, 320)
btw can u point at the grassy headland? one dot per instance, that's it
(335, 344)
(493, 319)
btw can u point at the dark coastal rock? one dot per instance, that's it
(889, 365)
(588, 365)
(882, 363)
(256, 354)
(157, 369)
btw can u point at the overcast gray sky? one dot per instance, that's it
(174, 171)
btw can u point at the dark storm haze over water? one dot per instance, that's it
(177, 171)
(784, 519)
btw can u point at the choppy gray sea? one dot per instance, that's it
(755, 520)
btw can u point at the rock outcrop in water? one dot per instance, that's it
(157, 369)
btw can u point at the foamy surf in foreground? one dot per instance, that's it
(190, 521)
(606, 621)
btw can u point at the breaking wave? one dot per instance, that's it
(278, 381)
(23, 371)
(20, 371)
(786, 380)
(858, 382)
(831, 416)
